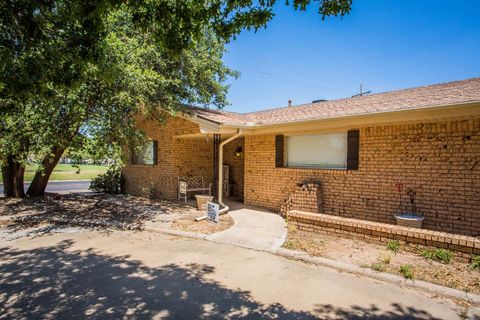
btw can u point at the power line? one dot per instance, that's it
(280, 77)
(291, 80)
(292, 70)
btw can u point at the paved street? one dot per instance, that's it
(116, 275)
(60, 186)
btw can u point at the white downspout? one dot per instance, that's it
(220, 175)
(220, 171)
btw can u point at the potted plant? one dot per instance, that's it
(410, 218)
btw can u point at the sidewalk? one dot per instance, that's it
(254, 228)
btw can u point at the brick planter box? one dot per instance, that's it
(463, 246)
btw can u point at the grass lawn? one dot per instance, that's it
(67, 172)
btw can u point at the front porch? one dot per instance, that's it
(232, 172)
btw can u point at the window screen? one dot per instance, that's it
(147, 154)
(317, 151)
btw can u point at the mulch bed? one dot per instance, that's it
(457, 274)
(204, 226)
(88, 210)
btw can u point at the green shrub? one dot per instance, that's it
(149, 191)
(427, 253)
(444, 255)
(393, 245)
(110, 182)
(475, 263)
(380, 267)
(407, 271)
(441, 255)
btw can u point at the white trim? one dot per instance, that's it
(346, 122)
(437, 113)
(378, 113)
(220, 171)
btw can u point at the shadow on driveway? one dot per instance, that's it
(57, 282)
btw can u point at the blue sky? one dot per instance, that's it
(383, 44)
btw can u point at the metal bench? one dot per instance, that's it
(192, 184)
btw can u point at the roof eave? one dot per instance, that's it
(438, 112)
(207, 126)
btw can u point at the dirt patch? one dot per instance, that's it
(124, 212)
(203, 226)
(5, 223)
(105, 211)
(456, 274)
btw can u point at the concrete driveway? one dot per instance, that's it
(130, 275)
(61, 186)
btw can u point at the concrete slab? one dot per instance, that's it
(254, 228)
(141, 275)
(473, 314)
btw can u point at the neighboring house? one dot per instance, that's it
(359, 150)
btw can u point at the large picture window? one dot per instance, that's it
(328, 151)
(147, 154)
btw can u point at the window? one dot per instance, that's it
(147, 154)
(328, 151)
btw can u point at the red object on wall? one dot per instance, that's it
(399, 186)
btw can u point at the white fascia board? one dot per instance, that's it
(443, 112)
(440, 112)
(206, 126)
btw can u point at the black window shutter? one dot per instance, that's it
(279, 151)
(133, 156)
(353, 147)
(155, 152)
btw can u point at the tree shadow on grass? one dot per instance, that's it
(53, 282)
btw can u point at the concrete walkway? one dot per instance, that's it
(254, 228)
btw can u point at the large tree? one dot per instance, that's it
(131, 73)
(75, 69)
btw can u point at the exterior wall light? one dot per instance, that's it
(238, 151)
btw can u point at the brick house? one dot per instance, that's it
(358, 155)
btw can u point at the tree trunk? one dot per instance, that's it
(12, 173)
(7, 174)
(18, 171)
(40, 180)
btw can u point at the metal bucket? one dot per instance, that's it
(409, 220)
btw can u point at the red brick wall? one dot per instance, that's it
(176, 157)
(180, 157)
(411, 239)
(440, 161)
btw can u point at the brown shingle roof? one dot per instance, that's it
(220, 116)
(450, 93)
